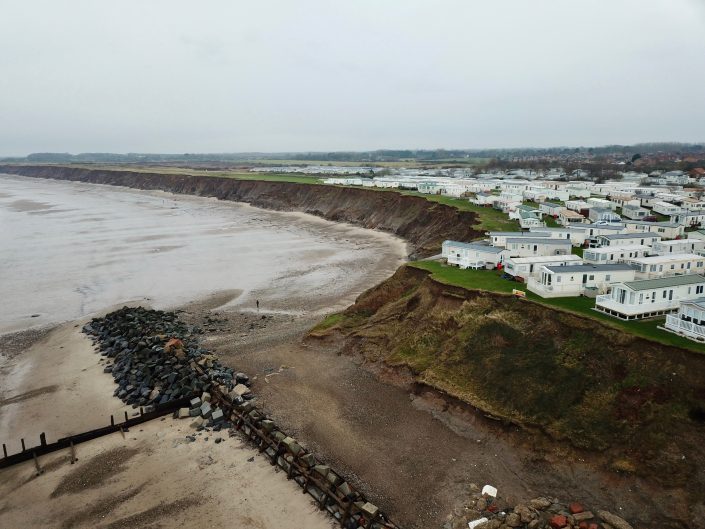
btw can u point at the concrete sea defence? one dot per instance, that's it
(423, 224)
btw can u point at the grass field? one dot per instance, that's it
(490, 280)
(238, 175)
(490, 218)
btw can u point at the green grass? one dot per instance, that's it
(551, 222)
(490, 219)
(328, 322)
(577, 250)
(490, 280)
(272, 177)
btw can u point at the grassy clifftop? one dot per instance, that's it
(571, 377)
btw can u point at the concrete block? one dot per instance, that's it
(206, 409)
(240, 390)
(267, 425)
(370, 509)
(206, 397)
(489, 490)
(195, 402)
(292, 445)
(344, 488)
(184, 413)
(321, 470)
(217, 415)
(309, 460)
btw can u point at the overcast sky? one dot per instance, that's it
(229, 76)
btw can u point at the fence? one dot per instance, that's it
(69, 442)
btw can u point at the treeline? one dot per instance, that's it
(539, 156)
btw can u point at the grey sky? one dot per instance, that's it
(228, 76)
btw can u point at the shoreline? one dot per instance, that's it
(52, 381)
(338, 259)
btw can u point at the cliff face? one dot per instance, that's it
(422, 223)
(638, 403)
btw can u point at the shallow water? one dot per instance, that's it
(70, 249)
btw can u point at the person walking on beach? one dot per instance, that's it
(257, 302)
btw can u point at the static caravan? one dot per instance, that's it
(603, 215)
(635, 212)
(550, 208)
(626, 239)
(577, 205)
(522, 268)
(567, 281)
(601, 203)
(621, 199)
(655, 266)
(678, 246)
(568, 217)
(614, 254)
(577, 192)
(666, 208)
(590, 231)
(527, 247)
(649, 298)
(472, 255)
(499, 238)
(484, 198)
(689, 219)
(667, 230)
(553, 233)
(693, 204)
(528, 217)
(689, 321)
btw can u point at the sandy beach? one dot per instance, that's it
(228, 255)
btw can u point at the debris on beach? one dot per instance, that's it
(487, 510)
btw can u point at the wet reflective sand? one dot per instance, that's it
(71, 249)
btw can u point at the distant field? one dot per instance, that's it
(477, 162)
(238, 175)
(491, 281)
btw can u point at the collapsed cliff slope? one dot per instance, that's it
(560, 375)
(424, 224)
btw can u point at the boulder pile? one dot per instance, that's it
(155, 358)
(486, 511)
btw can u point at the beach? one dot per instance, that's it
(72, 251)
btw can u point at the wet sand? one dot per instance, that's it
(70, 249)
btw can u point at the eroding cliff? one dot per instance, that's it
(562, 376)
(422, 223)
